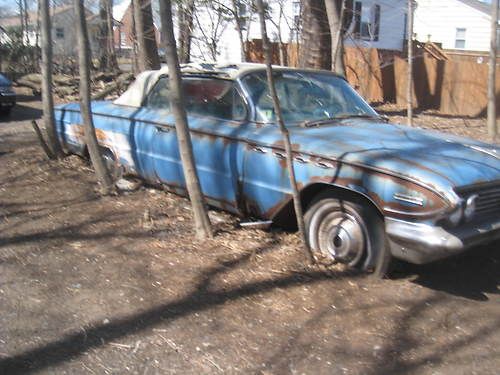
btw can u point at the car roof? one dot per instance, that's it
(134, 95)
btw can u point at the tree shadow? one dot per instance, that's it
(22, 112)
(202, 298)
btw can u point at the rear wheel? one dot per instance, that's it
(349, 232)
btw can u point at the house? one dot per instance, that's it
(374, 24)
(455, 24)
(123, 30)
(378, 24)
(63, 19)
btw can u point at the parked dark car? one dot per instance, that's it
(7, 95)
(370, 189)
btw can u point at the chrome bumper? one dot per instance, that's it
(422, 243)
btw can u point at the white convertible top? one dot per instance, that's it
(136, 92)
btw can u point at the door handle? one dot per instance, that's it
(162, 129)
(259, 149)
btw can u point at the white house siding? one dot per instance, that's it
(392, 25)
(438, 21)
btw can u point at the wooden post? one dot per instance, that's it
(284, 132)
(409, 95)
(492, 110)
(202, 223)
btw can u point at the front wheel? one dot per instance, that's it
(348, 232)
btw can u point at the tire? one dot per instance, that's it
(112, 164)
(348, 231)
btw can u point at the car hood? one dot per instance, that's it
(439, 160)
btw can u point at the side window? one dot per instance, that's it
(203, 96)
(214, 98)
(239, 107)
(158, 96)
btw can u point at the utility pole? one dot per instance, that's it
(409, 94)
(492, 110)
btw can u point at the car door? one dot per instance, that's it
(214, 134)
(161, 147)
(217, 119)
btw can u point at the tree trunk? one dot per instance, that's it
(335, 20)
(113, 63)
(316, 43)
(107, 58)
(147, 55)
(409, 93)
(26, 17)
(21, 18)
(103, 177)
(284, 131)
(185, 20)
(492, 110)
(201, 220)
(103, 33)
(47, 99)
(239, 29)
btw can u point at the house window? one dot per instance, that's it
(366, 21)
(296, 8)
(59, 32)
(460, 38)
(123, 38)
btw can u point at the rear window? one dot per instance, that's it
(203, 96)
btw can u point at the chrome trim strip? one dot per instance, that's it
(409, 199)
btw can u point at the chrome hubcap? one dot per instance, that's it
(342, 237)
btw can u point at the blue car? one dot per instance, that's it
(370, 189)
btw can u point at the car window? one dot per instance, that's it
(158, 96)
(203, 96)
(304, 96)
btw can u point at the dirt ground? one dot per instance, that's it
(118, 285)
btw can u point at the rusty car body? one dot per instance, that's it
(368, 186)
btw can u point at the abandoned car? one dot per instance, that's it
(370, 189)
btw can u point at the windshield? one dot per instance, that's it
(305, 96)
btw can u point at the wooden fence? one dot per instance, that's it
(453, 83)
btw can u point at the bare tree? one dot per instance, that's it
(238, 20)
(210, 32)
(409, 94)
(185, 13)
(284, 131)
(492, 109)
(336, 21)
(277, 24)
(316, 44)
(20, 5)
(107, 58)
(47, 99)
(103, 176)
(238, 11)
(202, 223)
(148, 58)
